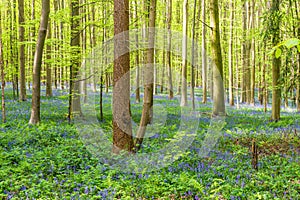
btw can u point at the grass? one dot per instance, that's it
(52, 161)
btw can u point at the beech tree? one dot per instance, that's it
(36, 87)
(74, 93)
(22, 96)
(169, 43)
(276, 62)
(204, 56)
(122, 130)
(184, 55)
(147, 112)
(218, 90)
(2, 75)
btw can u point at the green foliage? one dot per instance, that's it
(50, 161)
(289, 44)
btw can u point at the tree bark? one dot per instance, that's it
(252, 92)
(230, 54)
(74, 97)
(48, 67)
(122, 132)
(169, 43)
(2, 76)
(137, 57)
(193, 57)
(218, 91)
(147, 112)
(276, 63)
(36, 87)
(22, 96)
(184, 55)
(204, 56)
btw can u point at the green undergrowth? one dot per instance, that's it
(50, 160)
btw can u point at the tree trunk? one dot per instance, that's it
(276, 91)
(22, 96)
(147, 112)
(204, 57)
(83, 75)
(230, 54)
(137, 57)
(2, 76)
(184, 101)
(62, 67)
(93, 41)
(122, 132)
(265, 89)
(193, 57)
(36, 87)
(252, 92)
(169, 42)
(218, 91)
(74, 98)
(48, 67)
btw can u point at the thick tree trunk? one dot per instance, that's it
(122, 132)
(184, 101)
(22, 96)
(36, 87)
(147, 112)
(218, 92)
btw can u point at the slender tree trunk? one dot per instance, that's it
(265, 89)
(193, 57)
(122, 131)
(230, 54)
(218, 92)
(147, 112)
(74, 98)
(104, 61)
(298, 86)
(276, 63)
(237, 74)
(48, 67)
(184, 101)
(14, 49)
(83, 75)
(2, 76)
(22, 96)
(169, 43)
(204, 56)
(93, 45)
(32, 35)
(62, 67)
(252, 94)
(36, 87)
(137, 57)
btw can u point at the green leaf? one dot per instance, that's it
(278, 53)
(291, 42)
(298, 48)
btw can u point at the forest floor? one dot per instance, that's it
(53, 160)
